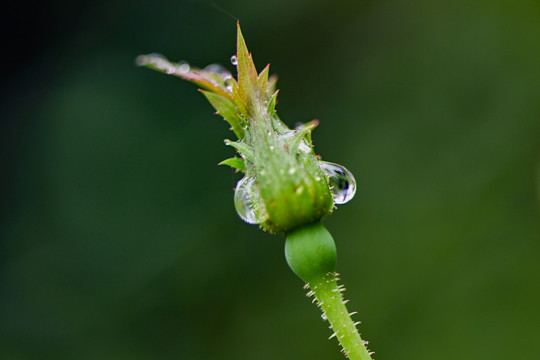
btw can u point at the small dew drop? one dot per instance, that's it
(292, 170)
(141, 60)
(244, 195)
(182, 67)
(271, 147)
(234, 60)
(323, 316)
(341, 181)
(228, 81)
(304, 147)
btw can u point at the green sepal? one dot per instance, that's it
(303, 132)
(271, 86)
(271, 108)
(236, 163)
(238, 99)
(226, 108)
(262, 80)
(242, 148)
(204, 83)
(247, 90)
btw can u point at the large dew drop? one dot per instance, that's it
(244, 194)
(341, 181)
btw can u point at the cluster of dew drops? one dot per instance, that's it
(161, 63)
(340, 179)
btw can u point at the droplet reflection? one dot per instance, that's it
(244, 194)
(341, 181)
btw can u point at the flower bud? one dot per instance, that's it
(285, 185)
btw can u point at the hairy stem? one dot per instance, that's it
(330, 300)
(311, 253)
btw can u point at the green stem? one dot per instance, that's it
(311, 254)
(330, 300)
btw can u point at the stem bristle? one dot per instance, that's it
(339, 319)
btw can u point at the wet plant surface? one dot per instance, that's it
(119, 240)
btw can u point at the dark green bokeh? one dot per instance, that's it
(119, 236)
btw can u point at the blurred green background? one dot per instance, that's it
(119, 238)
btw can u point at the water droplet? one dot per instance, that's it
(286, 135)
(304, 147)
(228, 81)
(234, 60)
(341, 181)
(244, 195)
(323, 316)
(292, 170)
(271, 147)
(141, 60)
(182, 67)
